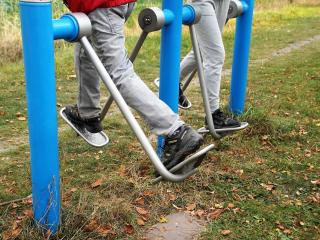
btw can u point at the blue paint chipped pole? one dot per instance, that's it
(38, 32)
(241, 58)
(37, 35)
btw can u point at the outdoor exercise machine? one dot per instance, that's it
(243, 11)
(38, 32)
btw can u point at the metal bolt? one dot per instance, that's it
(147, 20)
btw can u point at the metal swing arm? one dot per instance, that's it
(203, 86)
(124, 108)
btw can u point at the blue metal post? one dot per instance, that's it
(170, 58)
(241, 58)
(38, 35)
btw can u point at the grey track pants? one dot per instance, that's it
(209, 35)
(109, 42)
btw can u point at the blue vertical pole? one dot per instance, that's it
(38, 51)
(170, 57)
(241, 58)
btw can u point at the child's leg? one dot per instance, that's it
(221, 9)
(212, 51)
(89, 85)
(187, 65)
(108, 40)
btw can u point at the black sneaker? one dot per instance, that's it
(220, 120)
(183, 142)
(184, 102)
(93, 125)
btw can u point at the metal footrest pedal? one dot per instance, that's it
(186, 165)
(224, 131)
(99, 139)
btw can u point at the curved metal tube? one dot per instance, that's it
(129, 116)
(132, 58)
(197, 54)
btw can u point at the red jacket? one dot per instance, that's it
(87, 6)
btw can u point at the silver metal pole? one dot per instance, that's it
(189, 79)
(124, 108)
(138, 46)
(106, 108)
(202, 82)
(132, 58)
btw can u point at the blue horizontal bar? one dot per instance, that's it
(169, 16)
(188, 14)
(65, 28)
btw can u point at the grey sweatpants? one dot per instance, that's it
(109, 42)
(209, 35)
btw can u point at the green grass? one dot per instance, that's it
(293, 133)
(279, 150)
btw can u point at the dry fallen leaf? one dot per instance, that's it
(191, 206)
(140, 222)
(105, 230)
(148, 193)
(215, 214)
(200, 213)
(218, 205)
(142, 211)
(163, 219)
(316, 182)
(128, 229)
(22, 119)
(28, 212)
(92, 225)
(71, 76)
(172, 197)
(240, 172)
(96, 183)
(28, 201)
(122, 170)
(12, 233)
(287, 231)
(139, 201)
(230, 205)
(269, 187)
(225, 232)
